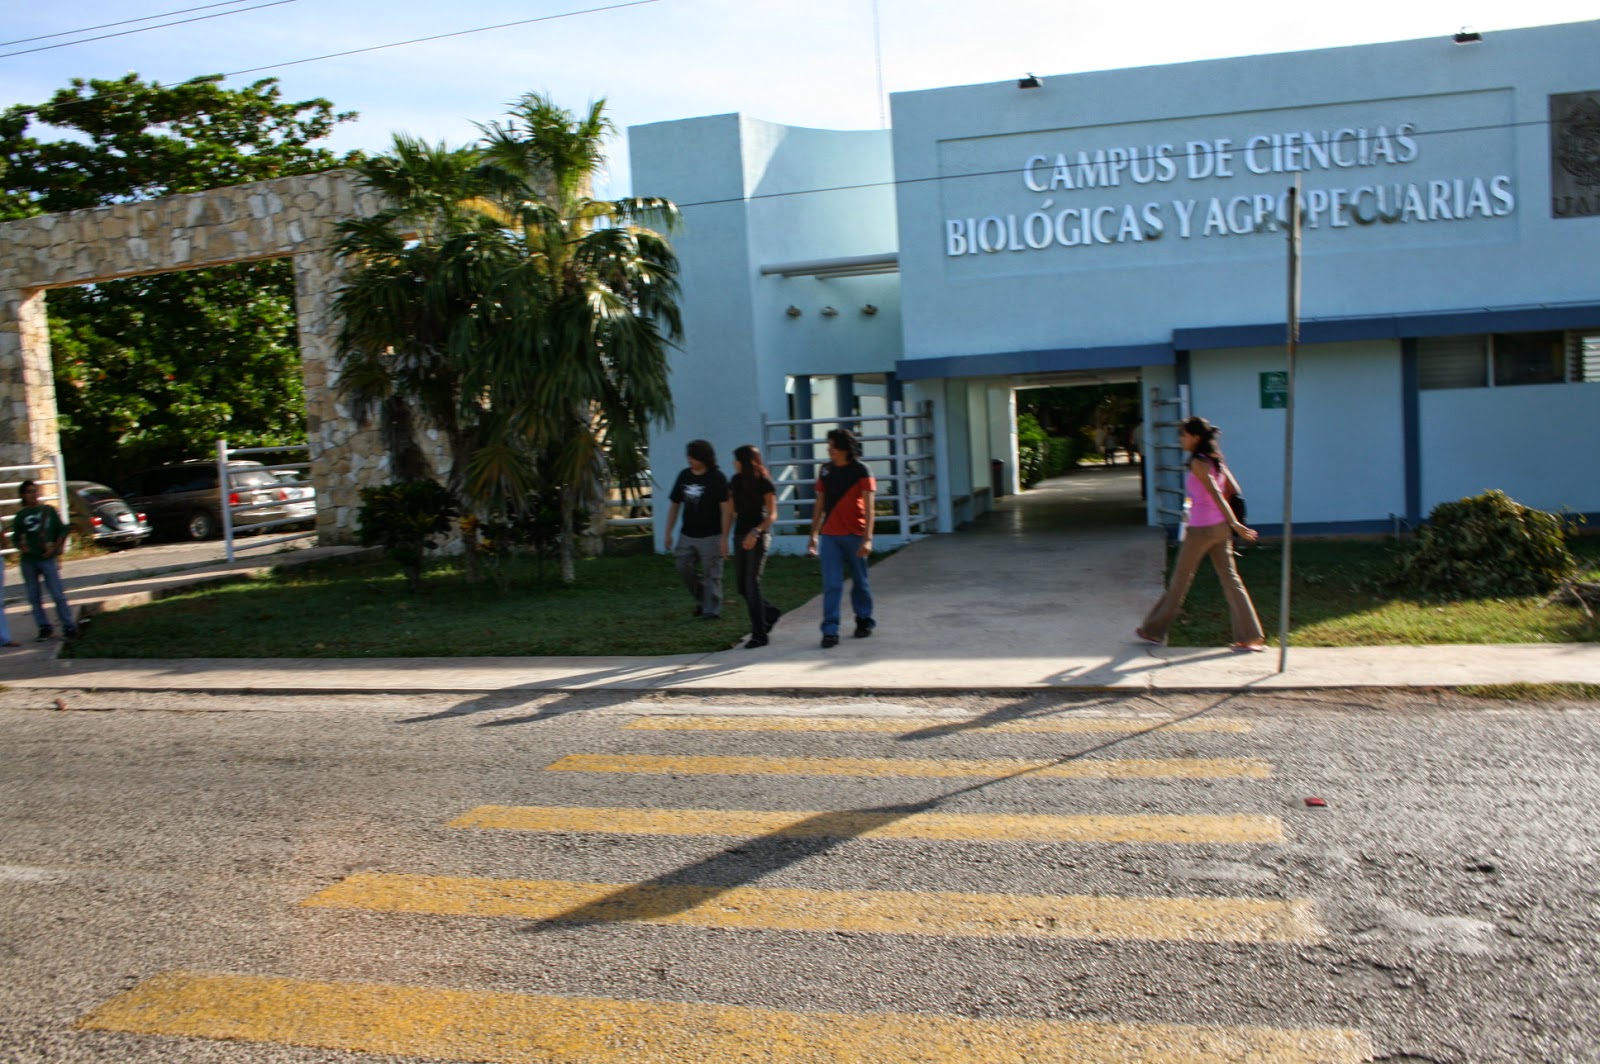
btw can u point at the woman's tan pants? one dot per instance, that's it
(1217, 542)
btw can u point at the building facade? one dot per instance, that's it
(1131, 225)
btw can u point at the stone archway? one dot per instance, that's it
(291, 217)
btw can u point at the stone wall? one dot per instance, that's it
(286, 217)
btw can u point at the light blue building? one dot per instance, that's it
(1128, 225)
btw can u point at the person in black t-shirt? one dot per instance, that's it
(701, 491)
(755, 508)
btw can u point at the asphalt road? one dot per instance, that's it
(1062, 877)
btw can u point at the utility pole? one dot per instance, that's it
(1288, 424)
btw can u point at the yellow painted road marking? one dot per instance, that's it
(533, 1029)
(888, 912)
(1069, 725)
(965, 827)
(1088, 768)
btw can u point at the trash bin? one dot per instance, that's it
(997, 478)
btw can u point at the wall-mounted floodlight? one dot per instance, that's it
(793, 311)
(829, 312)
(869, 310)
(1467, 37)
(1029, 82)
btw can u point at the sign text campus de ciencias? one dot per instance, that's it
(1081, 208)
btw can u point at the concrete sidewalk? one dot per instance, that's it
(1042, 594)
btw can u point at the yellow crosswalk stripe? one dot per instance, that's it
(890, 912)
(963, 827)
(510, 1028)
(1069, 725)
(1087, 768)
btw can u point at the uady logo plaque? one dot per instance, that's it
(1575, 155)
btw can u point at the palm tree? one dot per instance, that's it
(500, 303)
(598, 290)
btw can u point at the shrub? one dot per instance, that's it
(407, 518)
(1033, 450)
(1485, 547)
(1063, 455)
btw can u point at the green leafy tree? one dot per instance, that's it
(153, 369)
(496, 301)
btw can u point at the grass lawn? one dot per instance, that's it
(620, 605)
(1340, 597)
(633, 604)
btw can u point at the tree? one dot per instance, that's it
(131, 141)
(526, 321)
(152, 369)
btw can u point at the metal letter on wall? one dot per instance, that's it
(1575, 155)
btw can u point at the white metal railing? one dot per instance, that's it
(1167, 481)
(230, 509)
(52, 479)
(903, 448)
(631, 501)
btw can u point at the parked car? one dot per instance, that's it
(99, 515)
(302, 495)
(182, 500)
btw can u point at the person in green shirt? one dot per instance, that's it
(40, 536)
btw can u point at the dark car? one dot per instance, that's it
(182, 500)
(99, 515)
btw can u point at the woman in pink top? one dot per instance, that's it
(1211, 529)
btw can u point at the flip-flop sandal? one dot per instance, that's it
(1250, 648)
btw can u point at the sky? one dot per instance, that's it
(813, 63)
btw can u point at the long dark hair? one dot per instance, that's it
(702, 451)
(845, 440)
(748, 494)
(1207, 434)
(749, 456)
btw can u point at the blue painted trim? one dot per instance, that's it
(1012, 363)
(1411, 428)
(1327, 528)
(1399, 326)
(802, 397)
(1589, 523)
(1370, 528)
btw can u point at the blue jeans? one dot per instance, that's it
(50, 572)
(836, 552)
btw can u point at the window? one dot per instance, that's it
(1583, 356)
(1528, 358)
(1452, 362)
(1504, 360)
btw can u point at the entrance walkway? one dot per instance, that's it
(1042, 593)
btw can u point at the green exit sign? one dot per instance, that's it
(1274, 390)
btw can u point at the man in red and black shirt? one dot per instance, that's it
(843, 521)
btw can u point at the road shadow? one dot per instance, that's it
(1020, 710)
(545, 704)
(750, 860)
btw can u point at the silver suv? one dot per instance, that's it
(182, 500)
